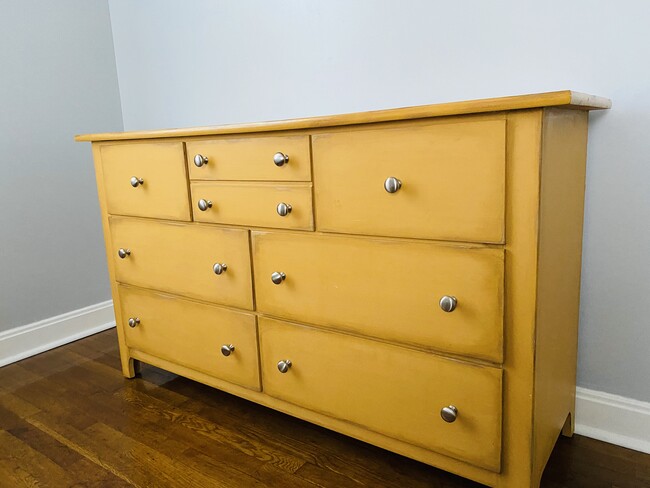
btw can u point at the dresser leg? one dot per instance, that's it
(130, 367)
(569, 425)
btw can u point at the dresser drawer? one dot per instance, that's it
(389, 389)
(386, 288)
(192, 334)
(180, 258)
(250, 158)
(452, 179)
(254, 204)
(160, 189)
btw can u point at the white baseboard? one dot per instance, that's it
(31, 339)
(614, 419)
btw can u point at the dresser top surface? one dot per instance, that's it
(565, 99)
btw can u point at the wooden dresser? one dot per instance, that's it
(407, 277)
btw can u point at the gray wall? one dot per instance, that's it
(57, 79)
(212, 62)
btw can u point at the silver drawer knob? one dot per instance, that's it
(449, 414)
(122, 253)
(392, 184)
(280, 159)
(283, 209)
(204, 205)
(227, 349)
(284, 365)
(134, 322)
(219, 268)
(200, 160)
(136, 182)
(448, 303)
(278, 277)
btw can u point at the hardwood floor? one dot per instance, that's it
(69, 418)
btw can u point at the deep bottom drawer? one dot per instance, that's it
(389, 389)
(192, 334)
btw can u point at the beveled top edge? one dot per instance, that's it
(564, 98)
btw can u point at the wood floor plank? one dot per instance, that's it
(312, 443)
(28, 467)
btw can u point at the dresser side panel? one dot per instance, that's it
(129, 367)
(564, 150)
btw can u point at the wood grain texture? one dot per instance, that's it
(565, 98)
(77, 422)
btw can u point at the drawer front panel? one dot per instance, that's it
(179, 258)
(250, 158)
(254, 204)
(192, 334)
(385, 288)
(452, 179)
(389, 389)
(163, 192)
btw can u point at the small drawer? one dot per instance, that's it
(386, 288)
(276, 158)
(147, 180)
(281, 205)
(441, 181)
(392, 390)
(184, 259)
(214, 340)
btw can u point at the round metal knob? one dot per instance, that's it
(280, 159)
(392, 184)
(219, 268)
(133, 322)
(204, 205)
(283, 209)
(200, 160)
(136, 182)
(278, 277)
(227, 349)
(122, 253)
(448, 303)
(449, 414)
(284, 365)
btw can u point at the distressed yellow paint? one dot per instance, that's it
(250, 158)
(163, 193)
(327, 277)
(254, 204)
(364, 382)
(179, 258)
(192, 333)
(452, 181)
(490, 211)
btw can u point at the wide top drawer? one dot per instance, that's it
(439, 181)
(146, 180)
(275, 158)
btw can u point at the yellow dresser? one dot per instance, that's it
(408, 277)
